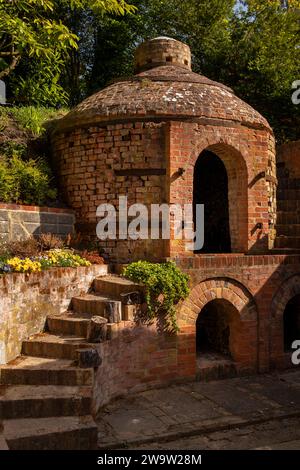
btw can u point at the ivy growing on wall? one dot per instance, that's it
(165, 285)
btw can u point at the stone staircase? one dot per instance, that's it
(46, 393)
(288, 212)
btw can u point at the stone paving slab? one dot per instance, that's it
(271, 435)
(198, 407)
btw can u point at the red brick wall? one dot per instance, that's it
(258, 286)
(139, 358)
(97, 164)
(90, 161)
(247, 154)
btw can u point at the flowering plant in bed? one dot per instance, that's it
(48, 259)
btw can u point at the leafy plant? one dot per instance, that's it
(20, 248)
(42, 32)
(165, 285)
(49, 241)
(24, 265)
(25, 181)
(4, 267)
(92, 256)
(12, 147)
(65, 258)
(33, 118)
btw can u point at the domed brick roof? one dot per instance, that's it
(164, 87)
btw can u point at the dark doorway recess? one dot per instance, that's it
(291, 322)
(216, 328)
(211, 189)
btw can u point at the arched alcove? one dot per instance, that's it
(210, 187)
(217, 329)
(291, 322)
(220, 182)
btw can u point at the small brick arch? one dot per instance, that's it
(245, 341)
(227, 149)
(217, 288)
(288, 289)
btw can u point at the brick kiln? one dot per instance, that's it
(168, 135)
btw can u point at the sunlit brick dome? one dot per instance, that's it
(164, 86)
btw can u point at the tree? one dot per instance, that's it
(203, 25)
(251, 46)
(36, 30)
(264, 60)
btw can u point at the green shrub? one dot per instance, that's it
(11, 148)
(26, 182)
(33, 118)
(6, 182)
(165, 286)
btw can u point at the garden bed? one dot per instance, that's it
(44, 252)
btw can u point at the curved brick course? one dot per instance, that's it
(164, 92)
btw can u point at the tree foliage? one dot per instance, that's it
(38, 31)
(250, 45)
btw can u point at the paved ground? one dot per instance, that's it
(272, 435)
(245, 413)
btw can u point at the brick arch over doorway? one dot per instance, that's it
(288, 290)
(235, 294)
(246, 156)
(237, 174)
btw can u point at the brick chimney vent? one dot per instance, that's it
(162, 51)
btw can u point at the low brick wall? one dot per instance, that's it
(139, 358)
(27, 299)
(19, 222)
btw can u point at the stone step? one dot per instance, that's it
(215, 369)
(288, 194)
(28, 370)
(288, 218)
(288, 230)
(114, 286)
(40, 401)
(287, 242)
(47, 345)
(96, 304)
(59, 433)
(69, 323)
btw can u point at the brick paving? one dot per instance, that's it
(201, 409)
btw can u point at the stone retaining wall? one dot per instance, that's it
(27, 299)
(18, 222)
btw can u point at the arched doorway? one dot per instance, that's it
(210, 188)
(291, 322)
(217, 332)
(216, 328)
